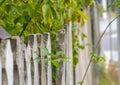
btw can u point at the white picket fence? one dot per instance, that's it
(18, 65)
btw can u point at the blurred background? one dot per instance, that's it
(109, 72)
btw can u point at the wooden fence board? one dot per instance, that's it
(1, 55)
(39, 53)
(14, 51)
(18, 65)
(60, 78)
(9, 62)
(17, 50)
(87, 52)
(49, 68)
(43, 66)
(20, 60)
(88, 40)
(28, 65)
(35, 55)
(46, 43)
(83, 55)
(0, 69)
(3, 74)
(69, 65)
(78, 70)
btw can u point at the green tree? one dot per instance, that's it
(20, 17)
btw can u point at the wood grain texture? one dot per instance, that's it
(69, 65)
(9, 63)
(60, 75)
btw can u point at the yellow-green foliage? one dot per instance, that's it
(32, 16)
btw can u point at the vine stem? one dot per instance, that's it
(96, 48)
(24, 28)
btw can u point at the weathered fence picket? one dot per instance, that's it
(28, 65)
(0, 66)
(18, 56)
(60, 75)
(68, 46)
(18, 65)
(7, 63)
(83, 56)
(17, 61)
(34, 48)
(49, 68)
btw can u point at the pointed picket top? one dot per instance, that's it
(4, 34)
(9, 63)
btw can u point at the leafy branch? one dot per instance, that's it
(92, 56)
(53, 57)
(24, 27)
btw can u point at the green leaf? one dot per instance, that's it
(8, 7)
(83, 15)
(17, 19)
(54, 13)
(83, 36)
(89, 2)
(27, 18)
(52, 55)
(60, 53)
(82, 22)
(1, 2)
(81, 47)
(38, 59)
(46, 61)
(55, 63)
(97, 58)
(75, 61)
(45, 51)
(45, 10)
